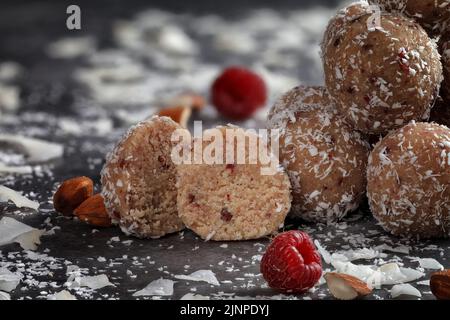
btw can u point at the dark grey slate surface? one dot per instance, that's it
(25, 29)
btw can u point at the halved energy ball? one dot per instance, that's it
(409, 181)
(381, 77)
(139, 180)
(433, 15)
(234, 200)
(325, 159)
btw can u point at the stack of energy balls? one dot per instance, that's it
(384, 63)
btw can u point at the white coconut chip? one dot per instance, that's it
(36, 150)
(400, 249)
(10, 70)
(360, 254)
(12, 230)
(200, 275)
(9, 97)
(323, 252)
(62, 295)
(375, 277)
(30, 240)
(160, 287)
(69, 48)
(7, 194)
(429, 263)
(4, 296)
(404, 290)
(15, 169)
(192, 296)
(94, 282)
(9, 280)
(423, 283)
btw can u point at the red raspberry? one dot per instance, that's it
(291, 263)
(237, 93)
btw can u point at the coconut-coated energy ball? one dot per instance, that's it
(380, 78)
(325, 159)
(433, 15)
(409, 181)
(138, 180)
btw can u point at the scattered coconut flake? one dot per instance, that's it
(360, 254)
(200, 275)
(9, 98)
(399, 249)
(68, 48)
(10, 70)
(192, 296)
(36, 150)
(100, 126)
(173, 39)
(12, 230)
(375, 277)
(95, 282)
(160, 287)
(62, 295)
(30, 240)
(423, 283)
(7, 194)
(323, 252)
(15, 169)
(4, 296)
(410, 274)
(429, 263)
(9, 280)
(405, 289)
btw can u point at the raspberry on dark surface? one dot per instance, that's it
(238, 93)
(291, 263)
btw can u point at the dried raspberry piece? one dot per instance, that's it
(226, 215)
(291, 263)
(230, 167)
(238, 92)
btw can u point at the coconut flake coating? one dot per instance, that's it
(335, 28)
(433, 15)
(232, 202)
(380, 78)
(325, 159)
(139, 180)
(409, 181)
